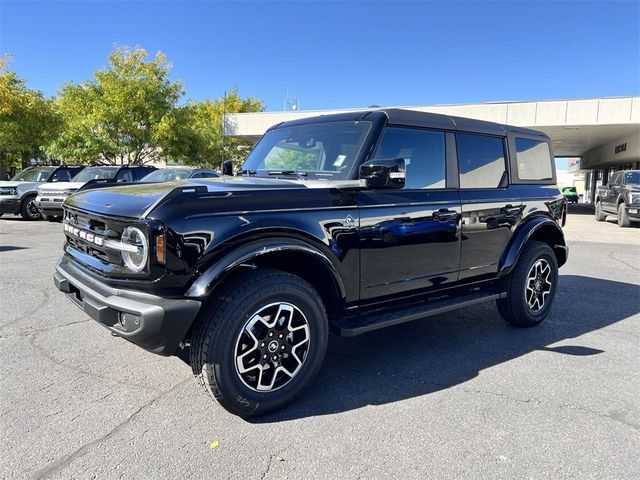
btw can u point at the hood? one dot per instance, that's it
(60, 186)
(134, 200)
(20, 186)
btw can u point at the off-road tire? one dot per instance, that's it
(514, 308)
(600, 215)
(222, 318)
(623, 218)
(28, 209)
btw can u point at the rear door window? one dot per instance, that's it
(481, 160)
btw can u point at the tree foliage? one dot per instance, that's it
(197, 130)
(116, 117)
(27, 120)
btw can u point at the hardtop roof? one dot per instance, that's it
(414, 118)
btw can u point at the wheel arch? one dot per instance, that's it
(286, 254)
(540, 228)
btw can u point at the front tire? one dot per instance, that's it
(259, 341)
(623, 218)
(531, 287)
(600, 215)
(29, 210)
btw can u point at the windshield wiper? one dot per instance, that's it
(300, 175)
(247, 172)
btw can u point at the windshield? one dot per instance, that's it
(631, 177)
(94, 173)
(166, 175)
(570, 189)
(34, 174)
(322, 150)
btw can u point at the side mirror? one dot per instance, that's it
(227, 167)
(383, 173)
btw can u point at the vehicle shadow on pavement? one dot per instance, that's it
(433, 354)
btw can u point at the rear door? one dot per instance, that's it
(410, 237)
(611, 193)
(490, 206)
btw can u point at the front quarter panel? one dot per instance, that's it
(205, 231)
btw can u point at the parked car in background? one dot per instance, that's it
(570, 194)
(178, 173)
(18, 195)
(620, 197)
(51, 196)
(351, 222)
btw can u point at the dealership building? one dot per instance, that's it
(600, 135)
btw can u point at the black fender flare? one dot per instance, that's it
(523, 234)
(203, 285)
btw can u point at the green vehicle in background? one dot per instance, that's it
(570, 194)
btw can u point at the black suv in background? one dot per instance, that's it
(51, 196)
(350, 222)
(620, 197)
(18, 195)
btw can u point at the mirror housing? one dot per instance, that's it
(383, 173)
(227, 167)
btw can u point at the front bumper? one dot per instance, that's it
(50, 204)
(10, 205)
(154, 323)
(633, 212)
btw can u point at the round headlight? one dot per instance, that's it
(135, 261)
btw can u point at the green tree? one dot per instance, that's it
(118, 116)
(201, 125)
(27, 120)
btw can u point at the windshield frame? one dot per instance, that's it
(42, 168)
(369, 136)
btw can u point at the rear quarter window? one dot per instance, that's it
(534, 160)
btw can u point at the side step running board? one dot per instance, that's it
(358, 325)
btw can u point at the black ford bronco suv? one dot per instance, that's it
(349, 222)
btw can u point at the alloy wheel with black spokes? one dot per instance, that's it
(29, 210)
(259, 341)
(531, 286)
(538, 286)
(272, 347)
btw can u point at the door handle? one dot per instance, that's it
(445, 214)
(511, 210)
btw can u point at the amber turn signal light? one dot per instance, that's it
(160, 251)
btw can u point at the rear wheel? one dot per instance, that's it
(623, 218)
(531, 287)
(600, 215)
(259, 342)
(29, 210)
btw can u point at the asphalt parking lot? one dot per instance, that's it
(458, 395)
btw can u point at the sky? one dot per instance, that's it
(341, 54)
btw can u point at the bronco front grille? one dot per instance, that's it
(94, 236)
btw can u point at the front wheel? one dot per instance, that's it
(600, 216)
(29, 210)
(260, 341)
(623, 218)
(531, 287)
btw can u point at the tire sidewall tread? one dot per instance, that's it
(219, 323)
(514, 308)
